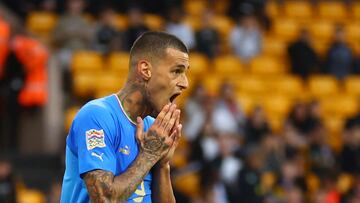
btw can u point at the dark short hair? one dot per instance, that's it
(153, 44)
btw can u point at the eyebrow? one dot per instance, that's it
(181, 66)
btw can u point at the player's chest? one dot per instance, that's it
(127, 148)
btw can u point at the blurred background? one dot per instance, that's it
(272, 113)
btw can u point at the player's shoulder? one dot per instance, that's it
(95, 108)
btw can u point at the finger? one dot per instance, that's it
(161, 115)
(178, 135)
(168, 116)
(139, 128)
(170, 125)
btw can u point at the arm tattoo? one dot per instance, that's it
(104, 187)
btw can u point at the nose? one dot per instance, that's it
(184, 83)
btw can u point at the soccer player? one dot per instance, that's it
(116, 151)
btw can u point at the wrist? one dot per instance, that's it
(162, 166)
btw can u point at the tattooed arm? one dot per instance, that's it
(103, 186)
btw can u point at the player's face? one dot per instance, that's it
(168, 79)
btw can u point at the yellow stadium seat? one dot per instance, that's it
(321, 46)
(299, 10)
(355, 10)
(274, 46)
(321, 86)
(195, 7)
(322, 30)
(352, 85)
(334, 124)
(276, 122)
(272, 9)
(84, 83)
(344, 183)
(41, 23)
(69, 116)
(285, 28)
(211, 83)
(251, 84)
(154, 22)
(331, 10)
(246, 101)
(194, 22)
(121, 22)
(312, 182)
(223, 24)
(289, 85)
(352, 31)
(118, 62)
(277, 105)
(199, 64)
(221, 7)
(266, 65)
(31, 196)
(109, 82)
(86, 61)
(188, 184)
(340, 105)
(227, 66)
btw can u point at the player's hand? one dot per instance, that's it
(176, 134)
(158, 140)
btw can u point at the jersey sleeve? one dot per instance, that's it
(94, 133)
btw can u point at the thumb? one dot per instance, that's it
(139, 128)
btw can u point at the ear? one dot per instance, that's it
(144, 69)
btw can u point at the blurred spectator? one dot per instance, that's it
(356, 69)
(195, 113)
(321, 157)
(294, 195)
(245, 38)
(177, 27)
(12, 82)
(303, 58)
(228, 116)
(207, 38)
(339, 59)
(72, 32)
(299, 118)
(135, 28)
(107, 37)
(274, 150)
(7, 183)
(212, 189)
(249, 177)
(350, 154)
(205, 148)
(256, 127)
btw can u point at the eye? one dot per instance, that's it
(177, 71)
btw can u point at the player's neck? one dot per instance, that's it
(133, 99)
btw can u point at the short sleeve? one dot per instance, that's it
(93, 132)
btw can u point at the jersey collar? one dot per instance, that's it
(123, 110)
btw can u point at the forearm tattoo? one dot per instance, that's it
(104, 187)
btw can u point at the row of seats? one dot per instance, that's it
(336, 11)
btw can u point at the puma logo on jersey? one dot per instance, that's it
(98, 156)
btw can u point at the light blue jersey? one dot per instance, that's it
(101, 137)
